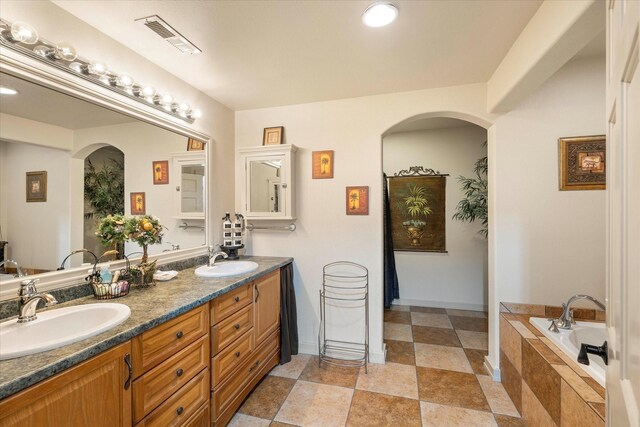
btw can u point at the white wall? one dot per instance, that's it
(549, 244)
(458, 278)
(353, 128)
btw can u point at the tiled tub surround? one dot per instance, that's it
(149, 307)
(548, 387)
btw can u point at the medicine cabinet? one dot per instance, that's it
(266, 176)
(190, 184)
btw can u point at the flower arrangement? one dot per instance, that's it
(145, 230)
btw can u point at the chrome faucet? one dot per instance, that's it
(215, 255)
(566, 318)
(28, 298)
(19, 271)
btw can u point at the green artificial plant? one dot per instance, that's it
(104, 187)
(474, 204)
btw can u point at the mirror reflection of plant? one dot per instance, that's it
(111, 230)
(474, 205)
(104, 187)
(415, 206)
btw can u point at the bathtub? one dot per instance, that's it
(569, 342)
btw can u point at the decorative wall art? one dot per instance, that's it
(138, 204)
(582, 162)
(37, 186)
(195, 145)
(160, 172)
(273, 136)
(357, 202)
(322, 164)
(417, 204)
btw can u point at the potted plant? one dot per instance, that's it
(145, 230)
(415, 210)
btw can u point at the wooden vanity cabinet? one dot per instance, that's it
(245, 328)
(96, 392)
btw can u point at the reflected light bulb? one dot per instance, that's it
(97, 68)
(65, 51)
(24, 33)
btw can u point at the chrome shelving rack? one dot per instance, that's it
(345, 286)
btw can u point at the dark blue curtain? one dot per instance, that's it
(391, 289)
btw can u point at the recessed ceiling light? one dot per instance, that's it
(379, 14)
(7, 91)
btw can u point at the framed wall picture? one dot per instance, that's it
(322, 164)
(138, 204)
(417, 211)
(195, 145)
(273, 136)
(582, 163)
(37, 186)
(160, 172)
(357, 202)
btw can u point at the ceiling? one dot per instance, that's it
(45, 105)
(270, 53)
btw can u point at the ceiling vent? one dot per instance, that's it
(167, 32)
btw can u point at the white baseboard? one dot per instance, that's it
(441, 304)
(494, 372)
(374, 357)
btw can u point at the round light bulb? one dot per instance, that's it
(24, 33)
(379, 14)
(166, 99)
(125, 80)
(148, 91)
(195, 113)
(65, 51)
(183, 107)
(97, 68)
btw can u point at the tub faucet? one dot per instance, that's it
(19, 272)
(28, 300)
(566, 318)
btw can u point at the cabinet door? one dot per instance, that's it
(266, 296)
(94, 393)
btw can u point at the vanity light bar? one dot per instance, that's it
(23, 38)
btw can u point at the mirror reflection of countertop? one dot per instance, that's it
(149, 307)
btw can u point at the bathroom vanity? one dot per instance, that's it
(190, 353)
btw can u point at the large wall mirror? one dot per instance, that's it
(65, 163)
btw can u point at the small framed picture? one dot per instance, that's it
(138, 204)
(582, 163)
(273, 136)
(357, 202)
(160, 172)
(195, 145)
(37, 186)
(322, 167)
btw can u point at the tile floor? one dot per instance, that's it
(434, 376)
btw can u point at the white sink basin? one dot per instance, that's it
(224, 269)
(55, 328)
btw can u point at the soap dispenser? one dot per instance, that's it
(237, 230)
(227, 230)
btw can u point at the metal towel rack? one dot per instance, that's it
(185, 226)
(290, 227)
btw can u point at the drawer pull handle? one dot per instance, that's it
(237, 326)
(179, 334)
(255, 365)
(237, 299)
(127, 360)
(179, 373)
(257, 293)
(180, 410)
(237, 354)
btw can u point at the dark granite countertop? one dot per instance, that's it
(149, 307)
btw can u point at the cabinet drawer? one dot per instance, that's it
(227, 331)
(224, 396)
(182, 405)
(227, 304)
(152, 388)
(154, 346)
(231, 357)
(202, 418)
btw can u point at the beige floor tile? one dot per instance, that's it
(242, 420)
(400, 308)
(442, 357)
(468, 313)
(431, 319)
(292, 369)
(397, 331)
(437, 415)
(497, 396)
(393, 379)
(311, 404)
(475, 340)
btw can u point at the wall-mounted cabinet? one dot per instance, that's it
(188, 175)
(267, 185)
